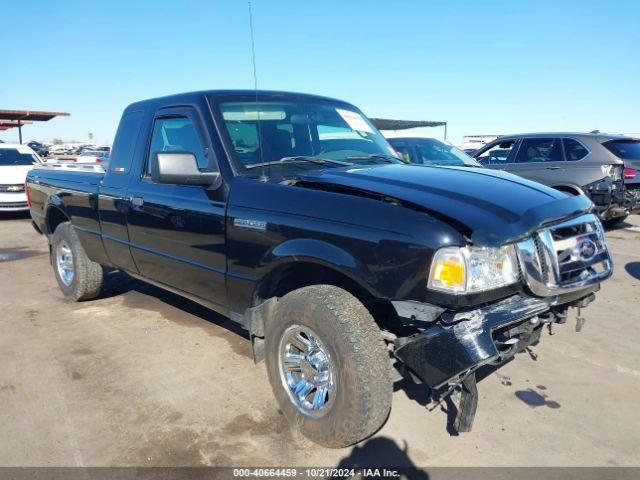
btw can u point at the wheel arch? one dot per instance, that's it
(56, 214)
(302, 263)
(293, 273)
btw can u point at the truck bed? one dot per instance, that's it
(72, 189)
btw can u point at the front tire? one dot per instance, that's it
(328, 365)
(78, 277)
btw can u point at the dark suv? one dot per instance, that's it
(575, 163)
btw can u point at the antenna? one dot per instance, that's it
(264, 176)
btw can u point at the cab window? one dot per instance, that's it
(177, 134)
(499, 154)
(536, 150)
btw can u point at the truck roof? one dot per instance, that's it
(261, 94)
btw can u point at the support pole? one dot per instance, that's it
(20, 132)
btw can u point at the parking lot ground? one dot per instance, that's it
(142, 377)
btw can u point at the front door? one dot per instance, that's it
(541, 159)
(499, 155)
(177, 232)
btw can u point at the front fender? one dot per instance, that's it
(321, 253)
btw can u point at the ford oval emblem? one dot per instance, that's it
(586, 250)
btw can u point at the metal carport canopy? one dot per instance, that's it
(21, 117)
(388, 124)
(7, 124)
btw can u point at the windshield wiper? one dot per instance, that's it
(374, 156)
(301, 158)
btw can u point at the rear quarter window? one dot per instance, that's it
(574, 150)
(125, 142)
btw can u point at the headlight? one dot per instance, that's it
(462, 270)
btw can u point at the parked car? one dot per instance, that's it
(290, 215)
(40, 148)
(93, 156)
(429, 151)
(60, 150)
(15, 161)
(84, 148)
(628, 150)
(77, 149)
(574, 163)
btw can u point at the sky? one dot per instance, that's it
(485, 67)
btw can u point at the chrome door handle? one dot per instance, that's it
(552, 168)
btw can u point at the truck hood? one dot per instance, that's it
(495, 207)
(13, 174)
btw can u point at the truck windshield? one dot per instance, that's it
(302, 135)
(14, 156)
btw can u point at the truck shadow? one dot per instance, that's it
(633, 269)
(15, 216)
(382, 452)
(620, 226)
(536, 399)
(138, 294)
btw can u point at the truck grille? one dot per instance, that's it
(12, 188)
(11, 205)
(565, 257)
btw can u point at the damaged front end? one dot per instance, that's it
(462, 342)
(561, 267)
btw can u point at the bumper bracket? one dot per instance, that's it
(468, 404)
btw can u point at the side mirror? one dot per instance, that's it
(180, 168)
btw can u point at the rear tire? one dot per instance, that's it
(359, 400)
(78, 277)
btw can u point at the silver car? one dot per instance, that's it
(575, 163)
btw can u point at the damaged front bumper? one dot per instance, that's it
(450, 350)
(459, 343)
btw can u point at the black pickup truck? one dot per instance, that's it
(291, 215)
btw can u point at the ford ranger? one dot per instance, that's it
(291, 215)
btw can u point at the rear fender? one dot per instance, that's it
(54, 203)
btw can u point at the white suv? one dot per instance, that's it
(15, 161)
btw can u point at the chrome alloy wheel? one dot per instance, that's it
(64, 263)
(306, 371)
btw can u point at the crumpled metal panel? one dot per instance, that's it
(463, 341)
